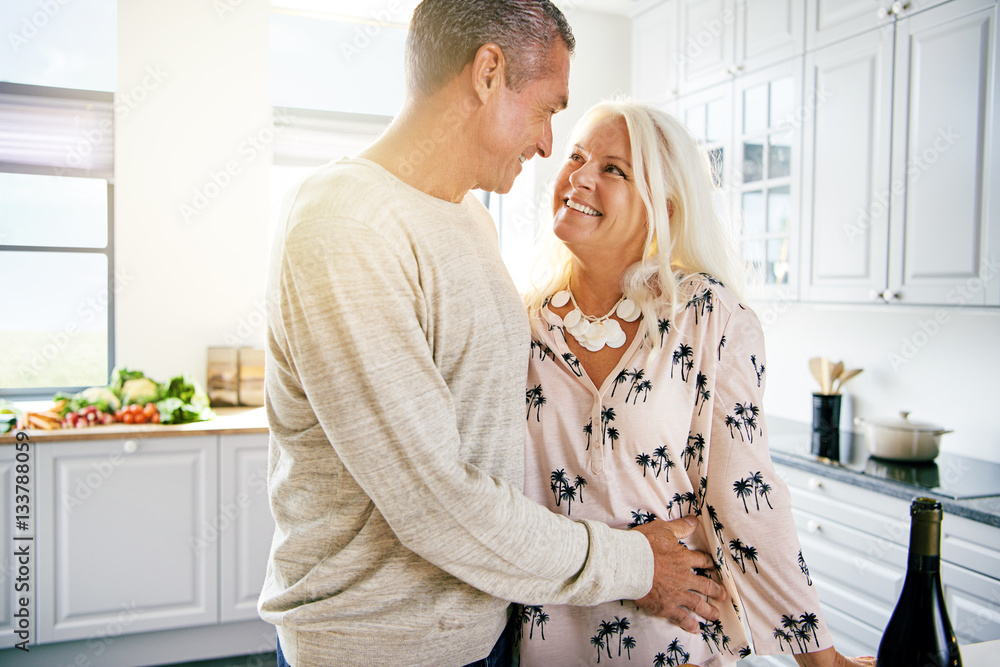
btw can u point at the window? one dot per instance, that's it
(56, 194)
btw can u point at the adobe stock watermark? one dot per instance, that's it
(126, 101)
(95, 479)
(710, 33)
(220, 179)
(229, 512)
(32, 25)
(58, 341)
(393, 15)
(104, 637)
(911, 345)
(916, 167)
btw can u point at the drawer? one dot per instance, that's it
(972, 545)
(853, 571)
(867, 511)
(973, 604)
(851, 636)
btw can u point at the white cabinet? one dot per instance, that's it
(654, 53)
(898, 164)
(944, 146)
(684, 46)
(245, 525)
(118, 528)
(768, 32)
(707, 42)
(829, 21)
(846, 178)
(855, 544)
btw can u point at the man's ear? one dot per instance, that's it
(488, 71)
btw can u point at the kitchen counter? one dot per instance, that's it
(949, 478)
(226, 421)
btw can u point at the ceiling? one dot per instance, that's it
(398, 12)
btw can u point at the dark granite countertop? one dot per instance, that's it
(950, 478)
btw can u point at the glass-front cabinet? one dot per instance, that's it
(768, 120)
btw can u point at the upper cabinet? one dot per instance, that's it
(684, 46)
(829, 21)
(897, 176)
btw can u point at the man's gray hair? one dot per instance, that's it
(446, 34)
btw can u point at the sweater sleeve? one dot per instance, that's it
(750, 507)
(354, 319)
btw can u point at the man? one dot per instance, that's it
(397, 352)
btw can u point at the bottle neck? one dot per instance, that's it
(925, 535)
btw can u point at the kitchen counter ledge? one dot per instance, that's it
(790, 445)
(227, 421)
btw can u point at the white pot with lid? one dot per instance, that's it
(902, 439)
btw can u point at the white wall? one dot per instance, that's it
(194, 78)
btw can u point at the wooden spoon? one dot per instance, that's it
(815, 367)
(835, 372)
(845, 376)
(824, 369)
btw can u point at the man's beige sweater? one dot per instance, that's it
(396, 359)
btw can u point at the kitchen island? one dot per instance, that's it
(853, 521)
(147, 543)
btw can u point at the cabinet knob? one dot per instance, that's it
(888, 295)
(735, 69)
(813, 526)
(130, 446)
(815, 484)
(882, 12)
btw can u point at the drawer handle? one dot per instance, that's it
(813, 526)
(130, 446)
(815, 484)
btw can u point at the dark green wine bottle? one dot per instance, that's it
(919, 633)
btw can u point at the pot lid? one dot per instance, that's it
(904, 423)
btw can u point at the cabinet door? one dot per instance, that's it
(245, 526)
(767, 32)
(654, 53)
(768, 129)
(846, 189)
(829, 21)
(707, 43)
(943, 147)
(119, 523)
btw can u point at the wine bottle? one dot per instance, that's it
(919, 633)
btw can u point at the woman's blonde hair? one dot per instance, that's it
(686, 232)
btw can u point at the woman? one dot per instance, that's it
(644, 400)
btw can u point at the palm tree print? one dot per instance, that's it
(698, 441)
(745, 652)
(607, 416)
(743, 488)
(645, 462)
(598, 641)
(606, 631)
(722, 344)
(534, 399)
(804, 568)
(589, 430)
(629, 644)
(684, 355)
(640, 517)
(644, 388)
(612, 436)
(662, 460)
(731, 422)
(745, 415)
(562, 489)
(621, 625)
(573, 363)
(676, 655)
(636, 375)
(716, 524)
(798, 629)
(621, 378)
(534, 616)
(758, 371)
(736, 552)
(750, 556)
(664, 328)
(809, 622)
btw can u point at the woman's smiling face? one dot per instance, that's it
(597, 210)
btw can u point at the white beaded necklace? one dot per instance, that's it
(593, 333)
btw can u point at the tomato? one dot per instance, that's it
(140, 418)
(135, 408)
(150, 410)
(128, 418)
(155, 418)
